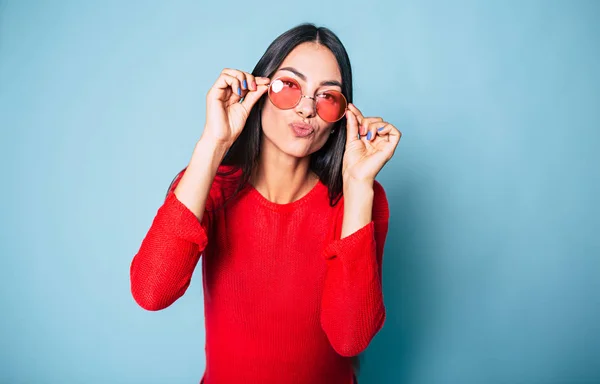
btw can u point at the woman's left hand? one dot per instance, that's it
(364, 157)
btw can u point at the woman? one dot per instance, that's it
(281, 199)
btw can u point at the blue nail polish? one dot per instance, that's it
(245, 84)
(369, 135)
(239, 91)
(358, 136)
(379, 129)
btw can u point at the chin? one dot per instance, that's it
(297, 149)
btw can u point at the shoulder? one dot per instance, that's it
(226, 175)
(223, 186)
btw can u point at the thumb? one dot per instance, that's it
(351, 127)
(253, 96)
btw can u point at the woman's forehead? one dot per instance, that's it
(314, 63)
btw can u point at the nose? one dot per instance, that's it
(306, 108)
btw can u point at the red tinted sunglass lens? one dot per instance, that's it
(284, 93)
(331, 106)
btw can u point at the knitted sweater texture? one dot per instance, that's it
(286, 300)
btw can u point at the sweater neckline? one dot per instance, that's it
(309, 196)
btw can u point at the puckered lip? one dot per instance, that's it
(302, 125)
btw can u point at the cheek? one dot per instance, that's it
(274, 121)
(319, 141)
(326, 136)
(270, 115)
(268, 118)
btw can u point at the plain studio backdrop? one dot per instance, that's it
(492, 262)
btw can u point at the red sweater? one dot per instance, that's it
(285, 299)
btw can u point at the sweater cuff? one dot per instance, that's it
(181, 222)
(354, 245)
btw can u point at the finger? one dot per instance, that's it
(225, 87)
(262, 80)
(253, 96)
(240, 75)
(236, 86)
(351, 127)
(394, 135)
(389, 147)
(255, 81)
(373, 129)
(253, 85)
(251, 81)
(367, 121)
(383, 131)
(357, 112)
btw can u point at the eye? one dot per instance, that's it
(289, 83)
(327, 96)
(283, 83)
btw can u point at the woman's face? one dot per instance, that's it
(310, 65)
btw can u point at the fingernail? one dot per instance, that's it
(369, 135)
(239, 91)
(359, 136)
(379, 129)
(244, 84)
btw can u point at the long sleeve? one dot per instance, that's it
(352, 308)
(162, 269)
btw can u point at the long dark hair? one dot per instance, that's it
(327, 161)
(244, 153)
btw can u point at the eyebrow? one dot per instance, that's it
(300, 75)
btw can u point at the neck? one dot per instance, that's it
(282, 178)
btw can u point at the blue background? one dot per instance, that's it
(492, 264)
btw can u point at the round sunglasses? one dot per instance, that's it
(285, 93)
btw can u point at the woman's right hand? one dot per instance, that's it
(225, 115)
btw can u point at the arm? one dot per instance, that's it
(352, 308)
(162, 269)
